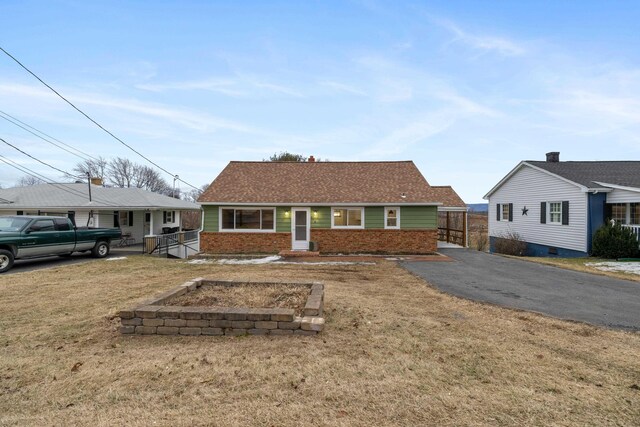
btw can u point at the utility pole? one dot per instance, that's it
(89, 184)
(173, 193)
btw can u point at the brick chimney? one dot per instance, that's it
(311, 159)
(553, 157)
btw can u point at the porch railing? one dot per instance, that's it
(635, 229)
(451, 235)
(160, 244)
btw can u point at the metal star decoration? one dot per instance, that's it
(525, 211)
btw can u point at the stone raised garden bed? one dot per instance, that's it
(160, 315)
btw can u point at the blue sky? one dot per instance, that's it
(464, 89)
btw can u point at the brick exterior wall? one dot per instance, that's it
(376, 241)
(329, 241)
(244, 243)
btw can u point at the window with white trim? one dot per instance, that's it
(391, 217)
(168, 217)
(124, 218)
(247, 219)
(505, 211)
(347, 217)
(635, 213)
(555, 212)
(619, 212)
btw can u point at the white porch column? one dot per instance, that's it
(151, 233)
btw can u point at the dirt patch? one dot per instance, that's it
(251, 295)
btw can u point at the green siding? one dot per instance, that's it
(283, 220)
(374, 217)
(210, 218)
(321, 217)
(412, 217)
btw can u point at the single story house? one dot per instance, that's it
(556, 207)
(135, 211)
(332, 207)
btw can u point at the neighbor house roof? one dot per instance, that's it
(323, 183)
(593, 174)
(74, 196)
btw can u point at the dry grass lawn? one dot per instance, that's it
(394, 352)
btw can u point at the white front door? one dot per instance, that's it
(300, 229)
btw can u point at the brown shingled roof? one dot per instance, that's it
(322, 183)
(448, 196)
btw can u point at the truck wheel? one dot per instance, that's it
(6, 260)
(100, 250)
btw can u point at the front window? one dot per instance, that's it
(124, 218)
(168, 217)
(555, 212)
(391, 217)
(505, 212)
(635, 213)
(347, 217)
(248, 219)
(619, 213)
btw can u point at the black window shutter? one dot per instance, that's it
(543, 212)
(116, 219)
(510, 212)
(130, 218)
(498, 212)
(565, 212)
(164, 217)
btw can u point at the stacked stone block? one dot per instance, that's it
(154, 318)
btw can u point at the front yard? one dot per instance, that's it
(394, 352)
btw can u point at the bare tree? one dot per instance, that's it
(95, 168)
(191, 219)
(28, 180)
(122, 172)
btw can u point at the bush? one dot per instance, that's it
(480, 240)
(614, 241)
(510, 243)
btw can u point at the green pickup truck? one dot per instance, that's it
(41, 236)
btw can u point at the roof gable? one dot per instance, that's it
(321, 183)
(585, 175)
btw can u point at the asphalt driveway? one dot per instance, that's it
(535, 287)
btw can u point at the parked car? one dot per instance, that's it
(41, 236)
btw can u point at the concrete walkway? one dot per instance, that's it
(535, 287)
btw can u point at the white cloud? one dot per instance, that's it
(238, 87)
(487, 43)
(342, 87)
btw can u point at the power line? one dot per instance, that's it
(65, 173)
(46, 180)
(21, 124)
(49, 181)
(93, 121)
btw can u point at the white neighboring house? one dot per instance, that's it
(135, 211)
(556, 207)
